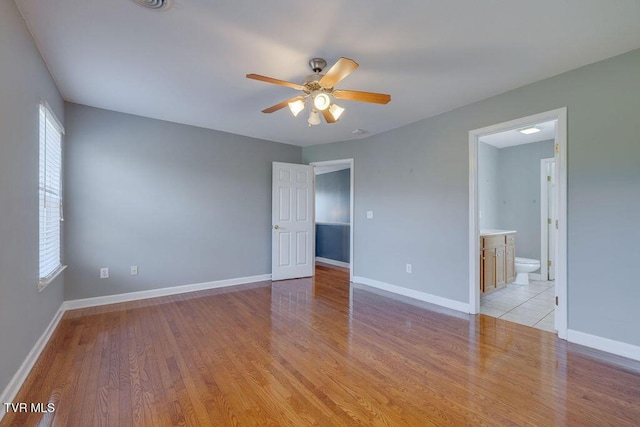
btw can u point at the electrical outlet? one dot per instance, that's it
(134, 270)
(369, 214)
(104, 273)
(408, 268)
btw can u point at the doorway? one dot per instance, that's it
(333, 195)
(559, 116)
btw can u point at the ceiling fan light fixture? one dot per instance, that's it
(530, 130)
(314, 117)
(321, 101)
(336, 111)
(296, 107)
(155, 4)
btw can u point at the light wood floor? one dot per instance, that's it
(315, 352)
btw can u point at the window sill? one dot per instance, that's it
(43, 283)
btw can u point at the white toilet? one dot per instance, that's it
(524, 266)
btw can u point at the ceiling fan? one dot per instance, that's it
(319, 89)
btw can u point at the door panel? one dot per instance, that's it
(489, 269)
(292, 216)
(500, 279)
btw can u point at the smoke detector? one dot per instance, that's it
(155, 4)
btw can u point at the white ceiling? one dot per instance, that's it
(188, 64)
(513, 137)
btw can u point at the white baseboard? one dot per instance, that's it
(333, 262)
(411, 293)
(605, 344)
(11, 390)
(535, 276)
(162, 292)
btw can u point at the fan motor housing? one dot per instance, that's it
(317, 64)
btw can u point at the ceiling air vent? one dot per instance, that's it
(154, 4)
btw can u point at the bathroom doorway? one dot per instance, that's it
(502, 213)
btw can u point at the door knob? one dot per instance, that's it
(276, 226)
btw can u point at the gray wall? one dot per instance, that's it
(332, 241)
(416, 180)
(519, 194)
(24, 81)
(185, 204)
(488, 177)
(332, 196)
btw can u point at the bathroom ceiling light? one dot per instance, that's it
(530, 130)
(296, 107)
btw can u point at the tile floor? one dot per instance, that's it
(531, 305)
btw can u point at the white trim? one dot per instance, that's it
(560, 115)
(605, 344)
(161, 292)
(350, 162)
(412, 293)
(333, 262)
(11, 390)
(345, 224)
(43, 283)
(56, 123)
(536, 276)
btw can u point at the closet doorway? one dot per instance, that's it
(334, 213)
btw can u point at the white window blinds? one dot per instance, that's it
(50, 193)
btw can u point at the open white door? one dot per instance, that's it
(292, 251)
(552, 230)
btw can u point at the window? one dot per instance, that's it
(50, 195)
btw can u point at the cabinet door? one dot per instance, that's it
(489, 269)
(500, 266)
(510, 263)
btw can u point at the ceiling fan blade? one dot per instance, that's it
(339, 71)
(354, 95)
(327, 116)
(281, 105)
(275, 81)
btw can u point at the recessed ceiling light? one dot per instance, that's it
(529, 131)
(155, 4)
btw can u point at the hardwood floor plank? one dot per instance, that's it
(317, 352)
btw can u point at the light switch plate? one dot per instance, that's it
(369, 214)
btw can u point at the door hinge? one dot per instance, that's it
(549, 263)
(548, 220)
(556, 300)
(556, 224)
(549, 178)
(557, 148)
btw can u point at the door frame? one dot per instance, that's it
(351, 205)
(560, 115)
(544, 214)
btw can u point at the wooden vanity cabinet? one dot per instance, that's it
(510, 258)
(497, 261)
